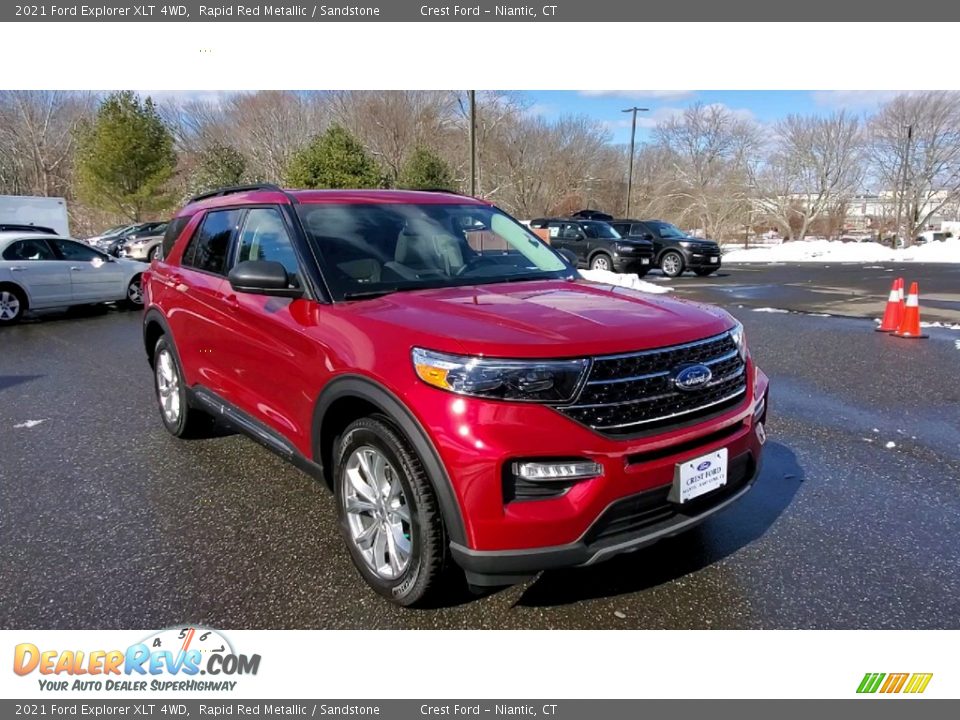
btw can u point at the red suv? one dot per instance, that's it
(471, 401)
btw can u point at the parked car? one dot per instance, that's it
(144, 246)
(113, 243)
(674, 250)
(932, 236)
(12, 227)
(469, 398)
(597, 245)
(39, 271)
(112, 232)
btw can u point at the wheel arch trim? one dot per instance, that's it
(380, 397)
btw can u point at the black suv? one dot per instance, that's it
(597, 245)
(675, 250)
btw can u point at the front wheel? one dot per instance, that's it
(388, 512)
(671, 264)
(601, 262)
(154, 253)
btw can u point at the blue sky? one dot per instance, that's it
(763, 106)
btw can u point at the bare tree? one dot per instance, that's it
(37, 138)
(815, 166)
(710, 148)
(915, 149)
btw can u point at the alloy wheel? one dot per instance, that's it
(135, 291)
(9, 305)
(377, 512)
(168, 387)
(671, 264)
(601, 263)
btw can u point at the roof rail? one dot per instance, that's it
(233, 189)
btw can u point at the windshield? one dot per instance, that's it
(666, 230)
(369, 249)
(600, 230)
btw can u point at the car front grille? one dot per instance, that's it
(633, 393)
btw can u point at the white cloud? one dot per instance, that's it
(640, 94)
(853, 99)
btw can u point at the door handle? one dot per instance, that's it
(75, 268)
(17, 268)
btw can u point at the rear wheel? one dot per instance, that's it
(671, 263)
(389, 515)
(178, 417)
(13, 304)
(135, 292)
(601, 261)
(703, 272)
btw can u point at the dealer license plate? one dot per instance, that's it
(699, 476)
(644, 261)
(714, 259)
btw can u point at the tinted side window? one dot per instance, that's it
(32, 249)
(75, 251)
(264, 237)
(173, 231)
(640, 229)
(207, 250)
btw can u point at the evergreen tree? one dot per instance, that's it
(334, 159)
(425, 170)
(125, 157)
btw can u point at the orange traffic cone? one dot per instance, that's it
(894, 312)
(910, 324)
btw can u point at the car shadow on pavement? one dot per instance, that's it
(8, 381)
(718, 537)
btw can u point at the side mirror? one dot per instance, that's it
(262, 277)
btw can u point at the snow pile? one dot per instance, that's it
(946, 251)
(629, 280)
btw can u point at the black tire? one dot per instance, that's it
(190, 422)
(601, 261)
(154, 253)
(428, 560)
(671, 263)
(135, 293)
(643, 270)
(703, 272)
(13, 305)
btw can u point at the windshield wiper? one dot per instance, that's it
(368, 294)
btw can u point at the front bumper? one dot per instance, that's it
(626, 525)
(632, 263)
(478, 439)
(698, 260)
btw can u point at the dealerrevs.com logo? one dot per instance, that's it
(172, 659)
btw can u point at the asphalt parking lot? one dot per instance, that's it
(108, 522)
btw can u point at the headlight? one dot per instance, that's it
(686, 243)
(529, 380)
(740, 339)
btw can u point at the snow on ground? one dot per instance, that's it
(947, 251)
(629, 280)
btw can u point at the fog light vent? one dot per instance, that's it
(540, 480)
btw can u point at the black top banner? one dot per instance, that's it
(434, 11)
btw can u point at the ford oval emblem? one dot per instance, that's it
(692, 377)
(704, 465)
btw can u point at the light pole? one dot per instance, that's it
(472, 95)
(633, 141)
(902, 190)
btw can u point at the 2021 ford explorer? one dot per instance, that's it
(472, 402)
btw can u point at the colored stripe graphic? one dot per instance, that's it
(918, 682)
(870, 682)
(894, 683)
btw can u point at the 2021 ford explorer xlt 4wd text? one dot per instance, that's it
(470, 400)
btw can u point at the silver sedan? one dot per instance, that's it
(39, 272)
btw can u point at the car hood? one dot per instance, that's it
(548, 318)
